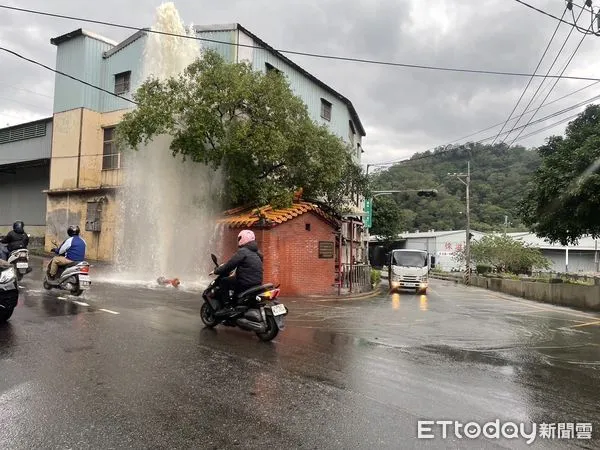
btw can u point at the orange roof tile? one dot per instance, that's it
(245, 217)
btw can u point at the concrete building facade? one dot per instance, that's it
(25, 151)
(87, 168)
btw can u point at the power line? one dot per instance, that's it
(531, 79)
(545, 77)
(14, 86)
(66, 75)
(554, 85)
(552, 125)
(292, 52)
(546, 13)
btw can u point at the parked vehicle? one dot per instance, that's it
(74, 277)
(20, 261)
(9, 290)
(257, 309)
(409, 269)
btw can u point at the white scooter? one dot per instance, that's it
(74, 277)
(20, 261)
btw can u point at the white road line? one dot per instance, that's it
(109, 311)
(62, 298)
(80, 303)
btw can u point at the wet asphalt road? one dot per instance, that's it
(132, 367)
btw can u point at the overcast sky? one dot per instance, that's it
(403, 110)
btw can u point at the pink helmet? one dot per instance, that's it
(244, 237)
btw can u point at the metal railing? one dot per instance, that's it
(356, 277)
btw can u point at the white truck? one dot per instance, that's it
(409, 269)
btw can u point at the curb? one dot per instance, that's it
(364, 296)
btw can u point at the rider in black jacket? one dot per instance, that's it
(248, 265)
(15, 239)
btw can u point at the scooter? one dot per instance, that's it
(20, 261)
(74, 277)
(257, 309)
(9, 290)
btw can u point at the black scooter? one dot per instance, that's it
(257, 309)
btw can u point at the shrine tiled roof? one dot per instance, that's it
(267, 216)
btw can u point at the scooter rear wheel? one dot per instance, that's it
(207, 314)
(272, 330)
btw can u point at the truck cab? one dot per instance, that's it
(409, 269)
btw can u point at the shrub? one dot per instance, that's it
(375, 277)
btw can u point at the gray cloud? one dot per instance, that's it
(404, 110)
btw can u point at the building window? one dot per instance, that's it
(325, 109)
(122, 82)
(352, 133)
(272, 68)
(22, 132)
(111, 157)
(93, 220)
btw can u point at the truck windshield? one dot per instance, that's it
(409, 259)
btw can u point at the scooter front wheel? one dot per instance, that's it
(47, 286)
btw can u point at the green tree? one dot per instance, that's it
(563, 202)
(387, 218)
(505, 254)
(249, 124)
(498, 175)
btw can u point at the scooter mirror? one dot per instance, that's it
(214, 258)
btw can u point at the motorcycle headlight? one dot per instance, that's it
(7, 275)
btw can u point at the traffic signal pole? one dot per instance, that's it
(369, 207)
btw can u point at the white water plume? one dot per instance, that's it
(167, 205)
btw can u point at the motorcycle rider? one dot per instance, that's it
(14, 240)
(248, 264)
(71, 250)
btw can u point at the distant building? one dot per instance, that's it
(87, 168)
(25, 151)
(440, 244)
(443, 245)
(578, 258)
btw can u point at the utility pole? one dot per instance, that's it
(467, 182)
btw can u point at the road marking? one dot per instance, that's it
(62, 298)
(80, 303)
(109, 311)
(597, 322)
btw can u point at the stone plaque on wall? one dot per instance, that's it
(326, 250)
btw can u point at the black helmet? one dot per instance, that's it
(73, 230)
(19, 227)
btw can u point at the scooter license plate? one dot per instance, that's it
(22, 265)
(278, 310)
(84, 281)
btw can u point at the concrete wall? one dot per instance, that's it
(580, 261)
(22, 196)
(577, 296)
(71, 209)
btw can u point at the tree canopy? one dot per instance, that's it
(504, 254)
(499, 176)
(564, 202)
(249, 124)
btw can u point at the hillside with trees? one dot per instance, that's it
(499, 181)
